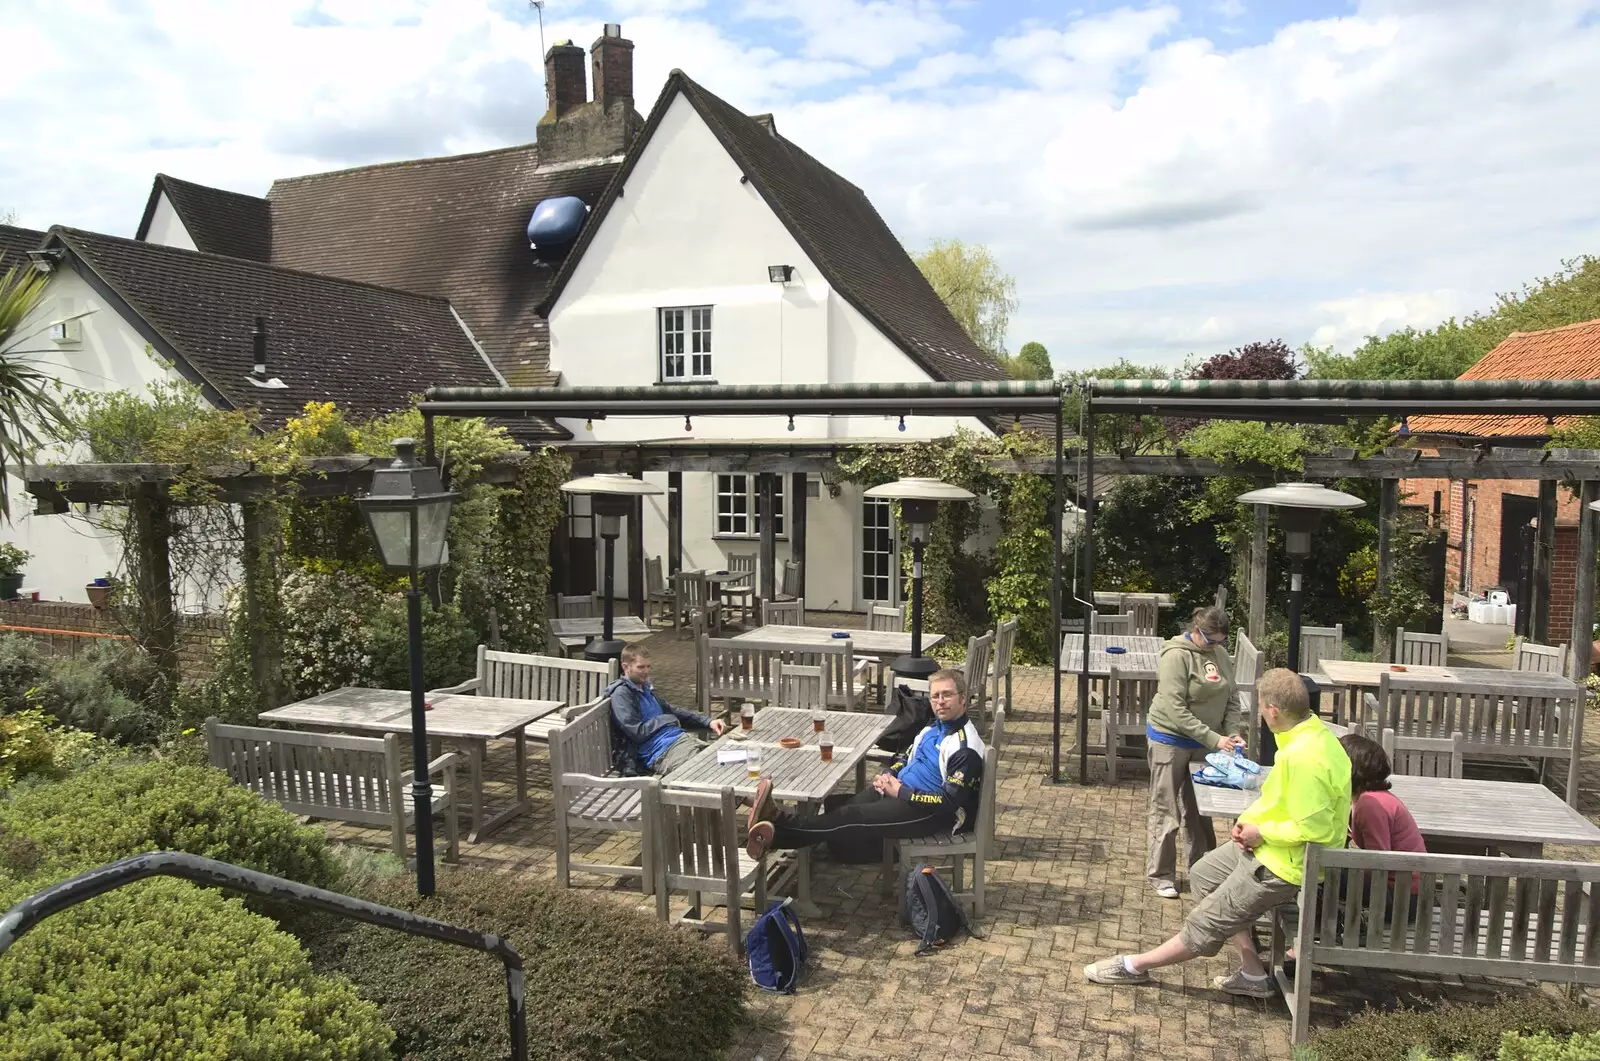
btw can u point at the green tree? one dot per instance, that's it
(979, 294)
(1031, 362)
(1114, 432)
(28, 404)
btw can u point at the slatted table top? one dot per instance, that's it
(1113, 598)
(866, 642)
(797, 774)
(1143, 653)
(1458, 808)
(1367, 675)
(389, 711)
(620, 625)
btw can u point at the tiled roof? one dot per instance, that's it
(835, 225)
(15, 243)
(367, 348)
(454, 227)
(1570, 352)
(219, 221)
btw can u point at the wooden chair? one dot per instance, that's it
(1421, 650)
(589, 798)
(1005, 643)
(578, 683)
(335, 777)
(976, 843)
(578, 607)
(788, 580)
(884, 618)
(783, 612)
(1128, 696)
(737, 669)
(741, 594)
(1246, 672)
(797, 685)
(696, 597)
(697, 850)
(1547, 659)
(1113, 624)
(659, 601)
(1424, 756)
(1318, 643)
(1144, 612)
(980, 651)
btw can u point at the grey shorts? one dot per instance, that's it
(1233, 890)
(678, 752)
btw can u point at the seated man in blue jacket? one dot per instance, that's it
(931, 787)
(657, 741)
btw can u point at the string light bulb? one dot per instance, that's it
(902, 422)
(687, 426)
(589, 424)
(791, 421)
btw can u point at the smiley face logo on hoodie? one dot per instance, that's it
(1212, 674)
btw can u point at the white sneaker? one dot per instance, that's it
(1166, 889)
(1245, 986)
(1114, 971)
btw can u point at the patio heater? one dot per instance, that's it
(408, 511)
(919, 504)
(611, 497)
(1300, 508)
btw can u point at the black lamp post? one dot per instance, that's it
(919, 504)
(1300, 508)
(408, 511)
(611, 497)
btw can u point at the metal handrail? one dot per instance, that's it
(29, 912)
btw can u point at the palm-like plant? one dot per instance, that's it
(28, 403)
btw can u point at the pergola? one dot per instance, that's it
(766, 459)
(1335, 401)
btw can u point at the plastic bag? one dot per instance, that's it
(1226, 770)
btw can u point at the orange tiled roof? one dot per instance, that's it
(1568, 352)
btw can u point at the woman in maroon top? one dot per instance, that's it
(1378, 820)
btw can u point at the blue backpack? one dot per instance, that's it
(936, 917)
(776, 948)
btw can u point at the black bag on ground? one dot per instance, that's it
(912, 714)
(936, 916)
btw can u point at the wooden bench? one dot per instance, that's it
(1521, 919)
(735, 669)
(578, 683)
(332, 776)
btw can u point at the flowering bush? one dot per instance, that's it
(325, 615)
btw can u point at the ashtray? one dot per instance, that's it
(724, 571)
(841, 633)
(738, 734)
(1398, 668)
(790, 742)
(1115, 650)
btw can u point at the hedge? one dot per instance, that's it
(603, 982)
(1451, 1030)
(111, 811)
(162, 969)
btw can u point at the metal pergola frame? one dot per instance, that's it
(992, 398)
(1332, 401)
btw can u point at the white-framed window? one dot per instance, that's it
(685, 340)
(738, 513)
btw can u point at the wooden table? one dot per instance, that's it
(798, 774)
(575, 633)
(1513, 818)
(879, 643)
(1113, 598)
(1358, 677)
(470, 720)
(1143, 653)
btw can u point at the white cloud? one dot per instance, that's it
(1155, 193)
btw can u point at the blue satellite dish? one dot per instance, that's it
(556, 222)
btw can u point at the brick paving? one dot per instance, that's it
(1066, 889)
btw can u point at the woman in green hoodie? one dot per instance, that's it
(1195, 711)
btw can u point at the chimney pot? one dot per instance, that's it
(612, 57)
(564, 85)
(258, 339)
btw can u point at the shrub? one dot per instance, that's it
(108, 690)
(1449, 1029)
(1543, 1047)
(449, 646)
(111, 811)
(22, 668)
(609, 983)
(32, 745)
(138, 971)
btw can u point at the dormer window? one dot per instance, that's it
(685, 343)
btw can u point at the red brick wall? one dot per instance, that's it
(65, 629)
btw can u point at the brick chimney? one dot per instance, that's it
(613, 67)
(564, 86)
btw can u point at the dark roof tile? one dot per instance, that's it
(15, 243)
(219, 221)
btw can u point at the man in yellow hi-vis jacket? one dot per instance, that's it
(1306, 799)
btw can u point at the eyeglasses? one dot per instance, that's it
(1214, 640)
(950, 694)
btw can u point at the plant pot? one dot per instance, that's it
(9, 584)
(99, 596)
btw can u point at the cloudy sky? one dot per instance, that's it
(1161, 179)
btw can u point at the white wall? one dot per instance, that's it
(686, 232)
(166, 227)
(68, 550)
